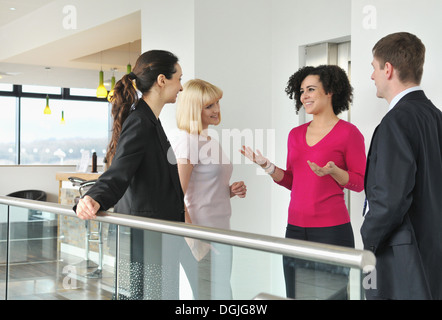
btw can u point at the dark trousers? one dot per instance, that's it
(341, 235)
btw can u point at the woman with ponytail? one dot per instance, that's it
(141, 180)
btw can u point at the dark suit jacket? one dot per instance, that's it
(141, 180)
(403, 185)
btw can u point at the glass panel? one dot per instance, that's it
(309, 280)
(7, 131)
(51, 259)
(87, 259)
(208, 269)
(32, 253)
(3, 249)
(149, 268)
(44, 140)
(47, 263)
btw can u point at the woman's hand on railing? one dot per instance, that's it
(87, 208)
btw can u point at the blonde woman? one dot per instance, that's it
(205, 173)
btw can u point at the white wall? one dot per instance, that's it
(237, 58)
(17, 178)
(169, 25)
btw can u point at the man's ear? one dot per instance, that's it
(389, 70)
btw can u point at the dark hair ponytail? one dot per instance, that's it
(145, 73)
(124, 97)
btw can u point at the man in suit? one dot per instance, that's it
(403, 179)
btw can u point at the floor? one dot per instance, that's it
(64, 280)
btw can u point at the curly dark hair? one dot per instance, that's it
(333, 79)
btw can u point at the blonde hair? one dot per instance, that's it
(196, 95)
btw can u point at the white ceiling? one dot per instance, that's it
(73, 60)
(22, 7)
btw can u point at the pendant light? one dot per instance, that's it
(111, 92)
(47, 110)
(62, 118)
(101, 90)
(128, 67)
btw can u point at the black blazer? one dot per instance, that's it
(141, 180)
(403, 185)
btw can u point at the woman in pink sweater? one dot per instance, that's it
(324, 156)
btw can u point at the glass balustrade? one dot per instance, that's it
(53, 256)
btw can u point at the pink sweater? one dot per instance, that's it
(319, 201)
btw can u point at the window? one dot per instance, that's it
(7, 130)
(41, 89)
(42, 139)
(5, 87)
(83, 92)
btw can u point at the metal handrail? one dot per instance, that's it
(337, 255)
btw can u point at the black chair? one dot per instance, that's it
(35, 238)
(29, 194)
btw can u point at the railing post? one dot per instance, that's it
(7, 254)
(117, 260)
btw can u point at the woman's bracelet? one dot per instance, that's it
(270, 169)
(270, 164)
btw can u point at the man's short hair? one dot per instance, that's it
(405, 52)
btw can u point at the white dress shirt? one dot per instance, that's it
(401, 95)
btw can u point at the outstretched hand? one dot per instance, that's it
(329, 168)
(257, 157)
